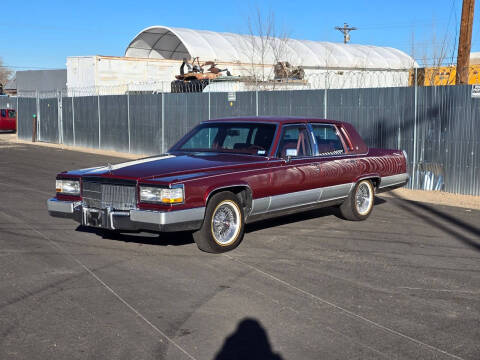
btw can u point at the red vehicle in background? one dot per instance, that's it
(8, 120)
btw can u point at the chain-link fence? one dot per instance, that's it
(313, 79)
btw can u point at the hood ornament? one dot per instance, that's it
(109, 168)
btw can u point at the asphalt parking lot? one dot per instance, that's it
(405, 284)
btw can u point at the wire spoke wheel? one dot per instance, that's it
(226, 222)
(223, 226)
(359, 203)
(363, 198)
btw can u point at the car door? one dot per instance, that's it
(293, 182)
(337, 168)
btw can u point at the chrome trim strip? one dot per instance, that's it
(336, 191)
(300, 198)
(55, 205)
(260, 205)
(167, 217)
(285, 201)
(386, 181)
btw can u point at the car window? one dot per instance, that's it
(202, 139)
(11, 113)
(235, 135)
(248, 138)
(3, 113)
(327, 139)
(294, 142)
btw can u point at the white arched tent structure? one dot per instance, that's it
(161, 42)
(153, 59)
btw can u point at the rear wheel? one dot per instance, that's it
(223, 226)
(359, 204)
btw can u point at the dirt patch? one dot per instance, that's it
(436, 197)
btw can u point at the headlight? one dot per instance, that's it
(68, 187)
(161, 195)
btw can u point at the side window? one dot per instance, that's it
(328, 140)
(11, 113)
(3, 113)
(294, 142)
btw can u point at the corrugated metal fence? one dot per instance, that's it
(439, 127)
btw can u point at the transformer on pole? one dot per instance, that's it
(345, 30)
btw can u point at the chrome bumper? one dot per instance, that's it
(130, 220)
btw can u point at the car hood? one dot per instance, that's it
(170, 164)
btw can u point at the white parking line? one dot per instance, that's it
(345, 311)
(53, 244)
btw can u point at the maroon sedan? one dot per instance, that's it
(229, 172)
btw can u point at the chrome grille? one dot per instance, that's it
(101, 196)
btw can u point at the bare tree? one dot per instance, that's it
(267, 46)
(437, 63)
(5, 73)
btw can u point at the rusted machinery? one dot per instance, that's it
(196, 78)
(283, 70)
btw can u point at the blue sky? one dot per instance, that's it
(41, 34)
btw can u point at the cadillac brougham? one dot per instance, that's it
(226, 173)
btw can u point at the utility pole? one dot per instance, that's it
(345, 30)
(465, 42)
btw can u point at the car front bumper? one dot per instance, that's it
(128, 220)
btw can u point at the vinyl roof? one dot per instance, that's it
(161, 42)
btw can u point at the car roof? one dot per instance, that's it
(275, 119)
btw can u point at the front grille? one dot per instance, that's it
(103, 195)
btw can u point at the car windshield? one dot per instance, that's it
(245, 138)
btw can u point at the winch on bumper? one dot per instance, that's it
(127, 220)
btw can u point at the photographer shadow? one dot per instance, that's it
(249, 341)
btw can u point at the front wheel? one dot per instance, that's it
(223, 226)
(359, 204)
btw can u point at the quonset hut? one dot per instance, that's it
(155, 55)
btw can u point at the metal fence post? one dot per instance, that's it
(73, 119)
(325, 98)
(99, 123)
(256, 101)
(17, 118)
(209, 103)
(60, 117)
(415, 133)
(38, 136)
(128, 119)
(163, 122)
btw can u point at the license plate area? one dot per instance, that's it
(94, 218)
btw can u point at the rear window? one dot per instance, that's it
(11, 113)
